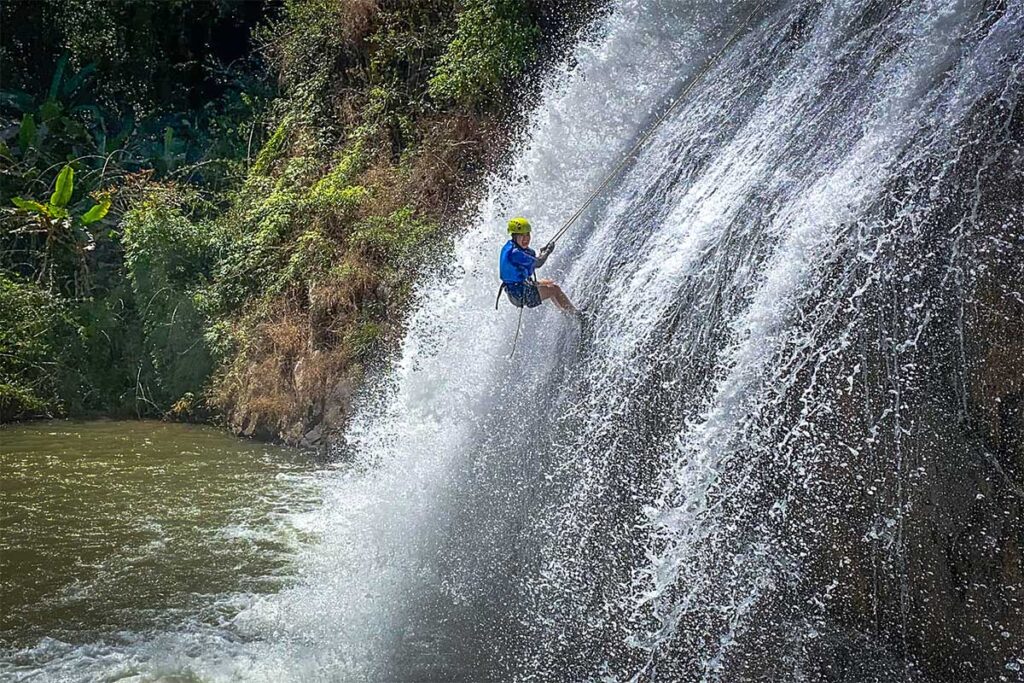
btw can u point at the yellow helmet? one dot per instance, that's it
(519, 226)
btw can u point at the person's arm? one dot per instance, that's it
(521, 258)
(544, 253)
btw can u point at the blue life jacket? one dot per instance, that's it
(516, 267)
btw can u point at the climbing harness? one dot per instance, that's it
(661, 119)
(521, 306)
(632, 152)
(532, 281)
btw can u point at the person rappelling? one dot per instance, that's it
(517, 271)
(518, 261)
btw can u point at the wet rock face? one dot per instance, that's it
(993, 350)
(328, 417)
(313, 438)
(984, 555)
(930, 546)
(323, 418)
(866, 522)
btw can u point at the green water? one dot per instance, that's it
(109, 528)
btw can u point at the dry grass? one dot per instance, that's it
(355, 18)
(437, 176)
(283, 385)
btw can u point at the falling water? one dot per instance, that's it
(779, 451)
(788, 446)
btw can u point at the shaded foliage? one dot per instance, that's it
(36, 328)
(168, 259)
(144, 55)
(494, 41)
(98, 100)
(55, 237)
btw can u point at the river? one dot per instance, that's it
(115, 531)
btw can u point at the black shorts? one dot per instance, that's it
(530, 298)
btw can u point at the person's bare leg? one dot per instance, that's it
(549, 290)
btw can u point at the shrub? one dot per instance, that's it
(311, 257)
(494, 41)
(396, 237)
(169, 258)
(271, 150)
(36, 327)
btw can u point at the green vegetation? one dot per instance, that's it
(494, 41)
(35, 332)
(217, 244)
(65, 235)
(168, 260)
(100, 108)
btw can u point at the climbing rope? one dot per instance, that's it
(629, 155)
(519, 326)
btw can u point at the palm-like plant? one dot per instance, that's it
(66, 235)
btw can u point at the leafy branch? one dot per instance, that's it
(67, 235)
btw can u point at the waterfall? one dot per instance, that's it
(788, 448)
